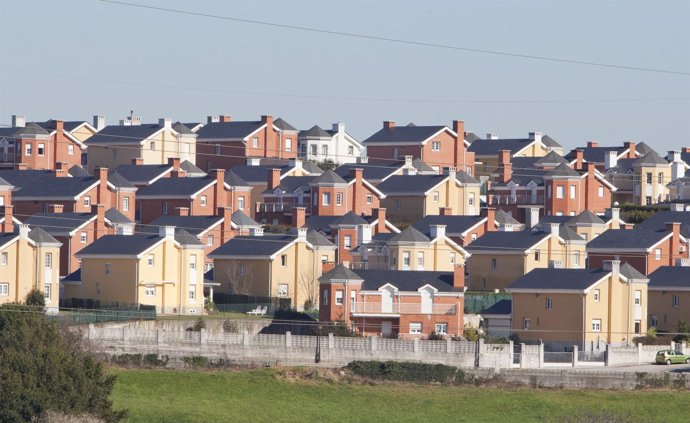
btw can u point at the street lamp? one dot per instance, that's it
(480, 332)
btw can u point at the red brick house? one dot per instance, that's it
(390, 303)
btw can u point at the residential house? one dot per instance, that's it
(499, 258)
(390, 303)
(497, 319)
(335, 145)
(669, 296)
(142, 175)
(411, 197)
(29, 260)
(377, 173)
(282, 266)
(642, 180)
(589, 308)
(604, 157)
(154, 143)
(438, 146)
(463, 230)
(486, 150)
(223, 143)
(164, 270)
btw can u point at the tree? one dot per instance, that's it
(35, 298)
(309, 286)
(683, 330)
(45, 367)
(240, 277)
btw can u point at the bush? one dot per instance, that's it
(433, 336)
(35, 298)
(231, 326)
(683, 330)
(196, 361)
(126, 359)
(407, 372)
(198, 325)
(337, 329)
(470, 333)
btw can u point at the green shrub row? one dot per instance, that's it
(409, 372)
(153, 360)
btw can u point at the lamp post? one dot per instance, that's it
(317, 355)
(480, 332)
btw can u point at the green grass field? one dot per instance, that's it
(261, 396)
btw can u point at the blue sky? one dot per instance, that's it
(74, 59)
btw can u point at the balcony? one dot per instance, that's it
(396, 309)
(497, 200)
(272, 207)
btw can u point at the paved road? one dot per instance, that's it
(649, 368)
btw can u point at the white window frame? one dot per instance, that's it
(576, 259)
(347, 241)
(435, 196)
(41, 149)
(83, 237)
(525, 323)
(675, 301)
(441, 328)
(326, 199)
(150, 291)
(151, 260)
(596, 295)
(47, 288)
(415, 328)
(339, 296)
(87, 201)
(560, 191)
(288, 144)
(48, 263)
(28, 149)
(240, 202)
(596, 325)
(153, 146)
(203, 200)
(600, 192)
(638, 297)
(370, 198)
(209, 240)
(255, 142)
(4, 289)
(572, 192)
(192, 292)
(406, 259)
(435, 145)
(283, 290)
(125, 204)
(70, 149)
(339, 199)
(657, 254)
(5, 258)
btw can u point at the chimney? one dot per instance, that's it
(339, 127)
(459, 150)
(256, 231)
(364, 159)
(459, 276)
(555, 229)
(535, 136)
(363, 234)
(358, 196)
(437, 231)
(138, 161)
(225, 118)
(505, 167)
(592, 144)
(59, 126)
(298, 216)
(532, 217)
(380, 216)
(388, 124)
(678, 207)
(445, 211)
(614, 266)
(302, 234)
(273, 178)
(579, 158)
(226, 231)
(674, 228)
(630, 145)
(686, 149)
(99, 211)
(24, 232)
(452, 172)
(60, 172)
(8, 223)
(611, 159)
(182, 211)
(677, 165)
(408, 161)
(56, 208)
(490, 213)
(98, 122)
(327, 266)
(591, 170)
(267, 119)
(101, 173)
(212, 119)
(296, 163)
(219, 193)
(18, 121)
(673, 156)
(174, 162)
(167, 232)
(491, 136)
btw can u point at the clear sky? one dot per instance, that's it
(73, 59)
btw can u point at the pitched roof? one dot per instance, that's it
(410, 234)
(404, 134)
(550, 142)
(291, 183)
(315, 132)
(586, 218)
(489, 147)
(31, 128)
(562, 170)
(651, 159)
(114, 216)
(615, 239)
(316, 239)
(455, 225)
(58, 223)
(657, 222)
(258, 174)
(119, 181)
(195, 225)
(234, 180)
(568, 234)
(191, 169)
(239, 218)
(259, 246)
(631, 273)
(551, 159)
(340, 273)
(141, 174)
(73, 277)
(51, 186)
(515, 241)
(320, 223)
(22, 178)
(120, 245)
(5, 184)
(559, 279)
(349, 218)
(465, 178)
(120, 134)
(281, 124)
(503, 217)
(670, 276)
(372, 173)
(185, 238)
(182, 129)
(40, 236)
(327, 178)
(644, 149)
(77, 170)
(501, 307)
(407, 281)
(228, 130)
(175, 187)
(410, 184)
(594, 154)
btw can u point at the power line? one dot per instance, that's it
(397, 40)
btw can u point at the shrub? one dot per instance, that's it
(337, 329)
(407, 372)
(35, 298)
(231, 326)
(196, 361)
(433, 336)
(683, 330)
(199, 324)
(156, 361)
(126, 359)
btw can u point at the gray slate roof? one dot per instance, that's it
(503, 217)
(489, 147)
(174, 187)
(518, 240)
(228, 130)
(667, 276)
(410, 184)
(194, 225)
(552, 159)
(615, 239)
(185, 238)
(234, 180)
(327, 178)
(586, 218)
(191, 169)
(240, 218)
(501, 307)
(594, 154)
(657, 222)
(121, 244)
(40, 236)
(77, 170)
(410, 234)
(22, 178)
(58, 223)
(631, 273)
(404, 134)
(340, 273)
(281, 124)
(257, 174)
(455, 225)
(650, 159)
(315, 132)
(350, 218)
(566, 279)
(120, 134)
(31, 128)
(407, 281)
(182, 129)
(51, 186)
(141, 174)
(550, 142)
(119, 181)
(259, 246)
(316, 239)
(114, 216)
(644, 149)
(563, 170)
(372, 173)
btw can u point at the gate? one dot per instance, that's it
(517, 351)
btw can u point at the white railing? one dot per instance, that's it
(271, 207)
(401, 308)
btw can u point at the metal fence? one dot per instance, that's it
(591, 356)
(86, 316)
(558, 357)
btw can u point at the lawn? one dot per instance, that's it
(262, 396)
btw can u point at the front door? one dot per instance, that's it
(387, 327)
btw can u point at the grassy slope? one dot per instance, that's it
(258, 396)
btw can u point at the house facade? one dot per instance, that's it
(669, 297)
(334, 145)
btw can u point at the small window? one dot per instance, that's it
(203, 201)
(549, 303)
(339, 199)
(660, 179)
(314, 149)
(648, 200)
(350, 151)
(4, 289)
(435, 196)
(559, 191)
(494, 264)
(29, 149)
(600, 191)
(255, 142)
(83, 237)
(347, 241)
(240, 202)
(638, 326)
(638, 297)
(192, 262)
(420, 260)
(324, 259)
(649, 177)
(441, 328)
(415, 327)
(49, 261)
(339, 297)
(576, 259)
(324, 296)
(452, 259)
(165, 207)
(657, 254)
(87, 201)
(209, 240)
(153, 146)
(41, 149)
(283, 260)
(46, 292)
(406, 259)
(470, 201)
(596, 325)
(596, 295)
(473, 237)
(395, 152)
(326, 199)
(4, 259)
(108, 268)
(150, 292)
(324, 150)
(435, 146)
(525, 323)
(572, 192)
(241, 269)
(150, 260)
(125, 204)
(192, 292)
(397, 204)
(288, 144)
(283, 290)
(676, 301)
(217, 149)
(536, 255)
(70, 149)
(370, 198)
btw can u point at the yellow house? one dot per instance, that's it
(411, 197)
(278, 266)
(642, 181)
(29, 260)
(163, 270)
(486, 150)
(585, 307)
(669, 297)
(499, 258)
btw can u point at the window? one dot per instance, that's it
(125, 204)
(150, 292)
(283, 260)
(600, 191)
(406, 259)
(283, 290)
(288, 144)
(549, 303)
(397, 204)
(649, 177)
(29, 149)
(395, 153)
(657, 254)
(471, 199)
(339, 297)
(314, 150)
(324, 297)
(241, 269)
(165, 207)
(370, 198)
(638, 326)
(41, 149)
(83, 237)
(255, 142)
(203, 200)
(209, 240)
(347, 241)
(326, 199)
(240, 202)
(494, 264)
(4, 289)
(596, 325)
(415, 327)
(49, 261)
(638, 298)
(150, 259)
(441, 328)
(676, 301)
(70, 149)
(525, 323)
(192, 292)
(435, 146)
(435, 196)
(324, 150)
(576, 259)
(452, 259)
(420, 260)
(192, 262)
(572, 192)
(153, 146)
(648, 200)
(4, 259)
(653, 321)
(350, 151)
(339, 199)
(536, 256)
(473, 237)
(660, 179)
(46, 292)
(217, 149)
(559, 192)
(596, 295)
(87, 201)
(353, 300)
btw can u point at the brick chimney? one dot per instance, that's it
(60, 172)
(591, 170)
(59, 126)
(174, 162)
(579, 158)
(8, 224)
(99, 211)
(592, 144)
(138, 161)
(273, 179)
(298, 217)
(327, 266)
(358, 196)
(459, 150)
(445, 211)
(674, 228)
(630, 145)
(686, 149)
(22, 166)
(490, 213)
(225, 118)
(181, 211)
(380, 214)
(504, 166)
(55, 208)
(226, 231)
(219, 193)
(459, 276)
(103, 197)
(388, 124)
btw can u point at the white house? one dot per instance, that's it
(336, 145)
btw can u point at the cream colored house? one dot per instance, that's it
(277, 266)
(29, 260)
(585, 307)
(669, 297)
(499, 258)
(642, 181)
(163, 270)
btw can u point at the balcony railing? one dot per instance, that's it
(272, 207)
(401, 308)
(515, 199)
